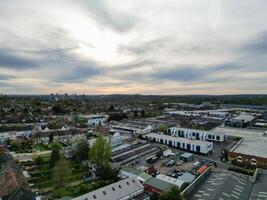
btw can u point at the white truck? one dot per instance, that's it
(167, 153)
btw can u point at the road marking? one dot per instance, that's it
(235, 196)
(226, 194)
(206, 194)
(210, 189)
(236, 193)
(263, 192)
(239, 190)
(242, 183)
(261, 195)
(239, 187)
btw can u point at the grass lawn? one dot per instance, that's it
(40, 147)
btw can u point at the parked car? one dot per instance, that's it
(170, 163)
(179, 162)
(174, 175)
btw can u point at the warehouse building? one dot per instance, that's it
(197, 134)
(122, 190)
(196, 146)
(251, 152)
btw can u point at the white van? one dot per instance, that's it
(196, 164)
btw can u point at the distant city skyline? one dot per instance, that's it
(133, 47)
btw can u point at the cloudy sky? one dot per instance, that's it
(132, 46)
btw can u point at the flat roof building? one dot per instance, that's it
(157, 186)
(196, 134)
(196, 146)
(178, 182)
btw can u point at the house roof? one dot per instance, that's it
(20, 194)
(10, 178)
(115, 191)
(159, 184)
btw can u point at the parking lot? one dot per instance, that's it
(186, 166)
(222, 186)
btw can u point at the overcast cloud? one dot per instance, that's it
(129, 46)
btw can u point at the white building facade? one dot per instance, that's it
(196, 134)
(197, 146)
(97, 120)
(12, 135)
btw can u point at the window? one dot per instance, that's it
(127, 183)
(104, 192)
(198, 148)
(188, 146)
(113, 188)
(133, 181)
(217, 137)
(119, 186)
(94, 196)
(178, 144)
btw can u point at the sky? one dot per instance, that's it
(175, 47)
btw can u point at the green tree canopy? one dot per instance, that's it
(82, 150)
(55, 156)
(51, 137)
(39, 160)
(100, 153)
(56, 145)
(163, 128)
(173, 194)
(61, 172)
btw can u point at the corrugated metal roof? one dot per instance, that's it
(115, 191)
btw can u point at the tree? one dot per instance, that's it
(163, 128)
(51, 137)
(55, 156)
(135, 113)
(143, 113)
(111, 108)
(61, 172)
(56, 145)
(57, 109)
(117, 116)
(173, 194)
(38, 160)
(82, 150)
(100, 153)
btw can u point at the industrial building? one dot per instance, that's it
(131, 129)
(251, 152)
(95, 120)
(133, 153)
(196, 146)
(197, 134)
(121, 190)
(242, 120)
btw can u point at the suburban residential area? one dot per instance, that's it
(71, 147)
(133, 100)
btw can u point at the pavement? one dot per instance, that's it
(259, 190)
